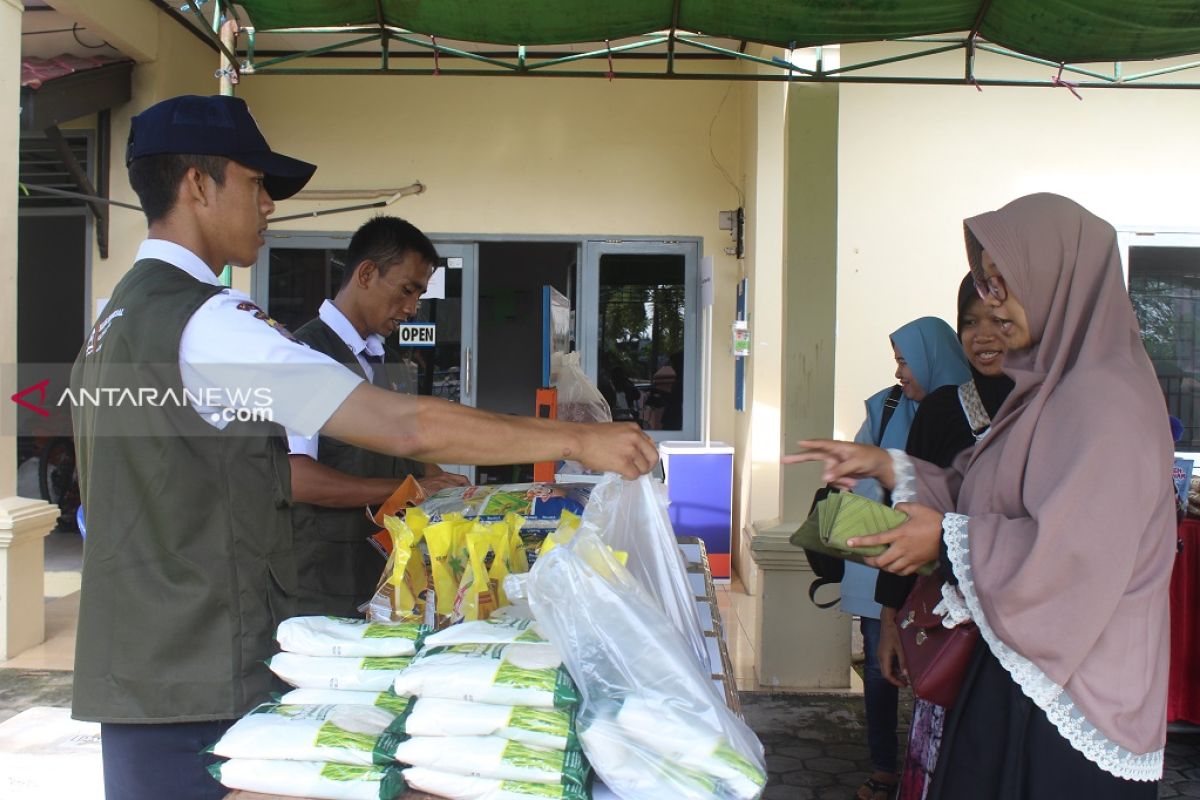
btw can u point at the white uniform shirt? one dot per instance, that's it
(239, 360)
(332, 316)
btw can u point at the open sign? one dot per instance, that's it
(417, 334)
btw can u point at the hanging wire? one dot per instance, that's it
(75, 33)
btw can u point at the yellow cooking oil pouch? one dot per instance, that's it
(568, 523)
(418, 576)
(477, 600)
(439, 539)
(501, 564)
(518, 557)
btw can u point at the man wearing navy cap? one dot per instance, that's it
(189, 565)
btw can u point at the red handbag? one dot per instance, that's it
(936, 656)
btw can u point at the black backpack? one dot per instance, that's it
(830, 569)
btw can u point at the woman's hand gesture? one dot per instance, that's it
(846, 461)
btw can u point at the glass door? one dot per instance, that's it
(640, 332)
(296, 272)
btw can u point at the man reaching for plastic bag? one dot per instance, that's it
(189, 565)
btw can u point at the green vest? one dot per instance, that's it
(188, 566)
(339, 568)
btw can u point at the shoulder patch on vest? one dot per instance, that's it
(96, 340)
(262, 315)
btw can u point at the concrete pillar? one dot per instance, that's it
(24, 524)
(10, 131)
(800, 646)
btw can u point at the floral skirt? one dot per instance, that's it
(924, 741)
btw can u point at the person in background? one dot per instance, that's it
(388, 265)
(948, 421)
(928, 357)
(189, 568)
(1058, 527)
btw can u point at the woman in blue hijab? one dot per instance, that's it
(928, 356)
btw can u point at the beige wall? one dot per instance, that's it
(914, 161)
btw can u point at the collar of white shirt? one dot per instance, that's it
(332, 316)
(179, 256)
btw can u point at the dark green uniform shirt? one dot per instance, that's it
(339, 568)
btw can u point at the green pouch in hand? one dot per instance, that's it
(852, 516)
(843, 516)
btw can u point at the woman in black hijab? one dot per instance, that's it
(948, 421)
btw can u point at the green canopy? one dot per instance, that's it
(1058, 30)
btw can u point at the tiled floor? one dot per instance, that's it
(738, 620)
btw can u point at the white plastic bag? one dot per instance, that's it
(319, 780)
(578, 398)
(495, 630)
(650, 720)
(631, 516)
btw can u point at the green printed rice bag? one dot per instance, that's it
(342, 636)
(488, 631)
(548, 728)
(342, 734)
(493, 757)
(368, 674)
(387, 700)
(465, 787)
(314, 779)
(513, 675)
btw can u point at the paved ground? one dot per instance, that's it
(815, 744)
(816, 748)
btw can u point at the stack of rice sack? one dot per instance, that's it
(335, 735)
(492, 715)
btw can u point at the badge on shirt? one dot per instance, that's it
(260, 314)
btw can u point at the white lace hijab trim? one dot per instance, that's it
(1046, 694)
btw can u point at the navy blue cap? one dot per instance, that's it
(215, 126)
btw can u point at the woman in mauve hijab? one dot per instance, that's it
(1058, 526)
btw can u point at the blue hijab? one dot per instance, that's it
(935, 357)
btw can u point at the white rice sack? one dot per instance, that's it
(342, 636)
(341, 734)
(367, 674)
(320, 781)
(612, 755)
(699, 751)
(510, 675)
(540, 727)
(387, 700)
(465, 787)
(488, 631)
(493, 757)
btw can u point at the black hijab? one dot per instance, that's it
(940, 430)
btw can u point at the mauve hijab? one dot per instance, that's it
(1069, 535)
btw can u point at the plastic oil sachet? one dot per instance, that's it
(394, 599)
(342, 636)
(344, 734)
(466, 787)
(418, 576)
(368, 674)
(476, 597)
(439, 539)
(500, 567)
(315, 779)
(513, 674)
